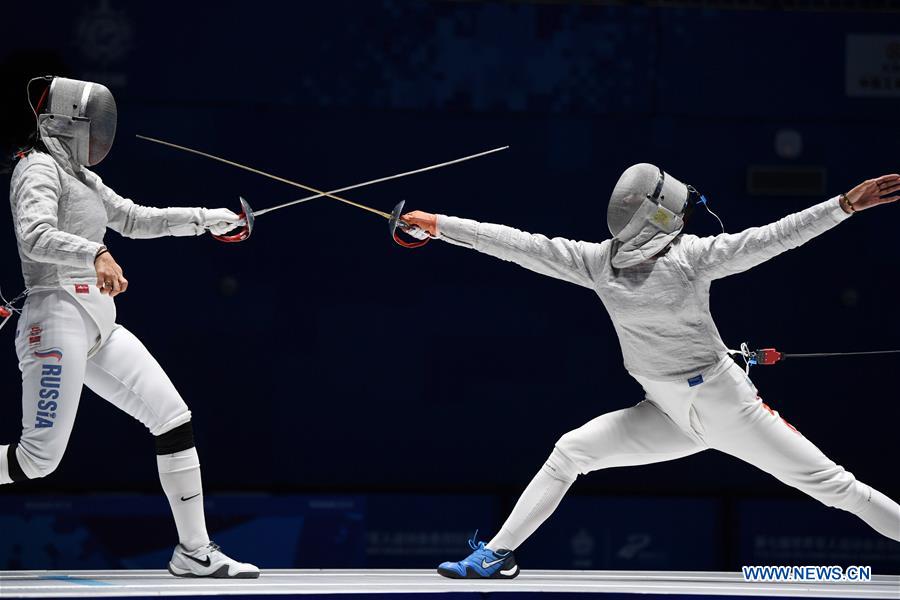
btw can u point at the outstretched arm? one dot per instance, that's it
(136, 221)
(564, 259)
(727, 254)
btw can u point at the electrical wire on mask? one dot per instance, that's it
(695, 198)
(35, 110)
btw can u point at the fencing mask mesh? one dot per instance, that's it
(92, 108)
(645, 213)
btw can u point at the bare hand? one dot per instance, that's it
(873, 192)
(110, 278)
(425, 221)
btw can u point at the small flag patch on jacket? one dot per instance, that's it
(82, 288)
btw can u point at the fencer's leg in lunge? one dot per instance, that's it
(738, 422)
(639, 435)
(537, 502)
(124, 373)
(52, 345)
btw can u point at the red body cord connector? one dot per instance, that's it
(768, 356)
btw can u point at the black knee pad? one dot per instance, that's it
(177, 440)
(15, 470)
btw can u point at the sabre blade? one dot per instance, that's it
(380, 213)
(319, 193)
(379, 180)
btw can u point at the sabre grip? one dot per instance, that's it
(5, 312)
(247, 217)
(395, 225)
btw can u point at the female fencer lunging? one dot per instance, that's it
(67, 334)
(654, 281)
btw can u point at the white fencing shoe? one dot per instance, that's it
(209, 561)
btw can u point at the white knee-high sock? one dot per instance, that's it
(4, 468)
(882, 514)
(537, 502)
(179, 474)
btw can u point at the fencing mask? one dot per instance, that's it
(86, 117)
(646, 212)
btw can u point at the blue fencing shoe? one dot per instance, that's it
(483, 563)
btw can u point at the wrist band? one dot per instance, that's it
(100, 253)
(848, 203)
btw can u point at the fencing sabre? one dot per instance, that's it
(248, 215)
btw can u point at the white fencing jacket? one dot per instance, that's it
(659, 307)
(60, 214)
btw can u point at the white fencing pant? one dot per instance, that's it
(53, 342)
(676, 419)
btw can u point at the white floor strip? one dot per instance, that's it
(98, 584)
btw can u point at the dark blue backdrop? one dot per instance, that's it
(318, 356)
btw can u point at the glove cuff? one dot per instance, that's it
(186, 221)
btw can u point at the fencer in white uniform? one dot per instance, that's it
(654, 281)
(67, 334)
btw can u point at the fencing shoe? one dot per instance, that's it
(483, 563)
(209, 561)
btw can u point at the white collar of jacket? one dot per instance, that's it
(66, 140)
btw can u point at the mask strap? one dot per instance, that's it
(654, 197)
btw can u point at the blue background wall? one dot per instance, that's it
(318, 357)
